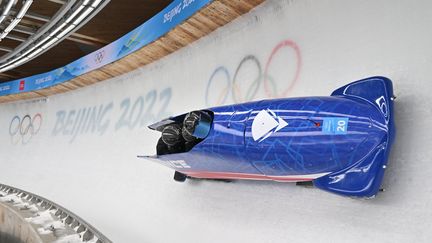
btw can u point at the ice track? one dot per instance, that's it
(83, 155)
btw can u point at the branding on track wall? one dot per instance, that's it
(249, 77)
(22, 85)
(128, 114)
(99, 56)
(23, 128)
(248, 82)
(175, 13)
(176, 10)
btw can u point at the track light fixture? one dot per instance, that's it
(26, 5)
(64, 27)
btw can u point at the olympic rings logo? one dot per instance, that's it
(23, 129)
(252, 83)
(99, 56)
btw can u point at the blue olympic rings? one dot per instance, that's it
(233, 85)
(224, 94)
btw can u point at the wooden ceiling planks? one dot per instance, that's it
(208, 19)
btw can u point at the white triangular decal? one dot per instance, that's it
(266, 136)
(282, 124)
(262, 124)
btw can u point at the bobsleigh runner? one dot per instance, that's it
(338, 143)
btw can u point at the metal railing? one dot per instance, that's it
(79, 225)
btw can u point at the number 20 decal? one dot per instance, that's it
(341, 126)
(335, 125)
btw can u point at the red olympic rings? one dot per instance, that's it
(285, 43)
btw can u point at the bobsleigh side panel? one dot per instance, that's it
(222, 150)
(299, 148)
(360, 180)
(302, 146)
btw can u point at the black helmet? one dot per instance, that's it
(172, 134)
(196, 125)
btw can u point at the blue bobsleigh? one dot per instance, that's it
(340, 143)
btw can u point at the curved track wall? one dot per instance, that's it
(79, 148)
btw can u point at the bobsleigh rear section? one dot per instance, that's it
(363, 179)
(340, 143)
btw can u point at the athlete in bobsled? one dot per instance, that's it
(340, 143)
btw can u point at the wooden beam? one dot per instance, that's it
(15, 37)
(58, 1)
(24, 29)
(6, 49)
(86, 42)
(9, 76)
(37, 16)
